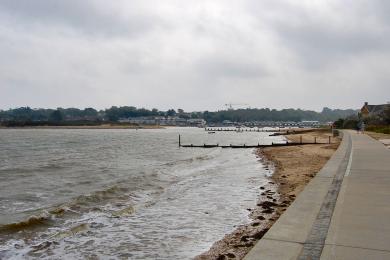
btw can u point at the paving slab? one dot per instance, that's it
(266, 250)
(356, 181)
(352, 253)
(361, 218)
(295, 224)
(287, 237)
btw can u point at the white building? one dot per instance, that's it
(196, 122)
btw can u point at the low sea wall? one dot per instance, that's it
(301, 231)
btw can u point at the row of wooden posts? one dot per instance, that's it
(287, 143)
(241, 130)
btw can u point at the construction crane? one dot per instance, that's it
(231, 105)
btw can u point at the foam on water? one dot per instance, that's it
(169, 203)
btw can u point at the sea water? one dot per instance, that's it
(123, 193)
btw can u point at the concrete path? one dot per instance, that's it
(343, 213)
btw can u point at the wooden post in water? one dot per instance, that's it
(179, 141)
(329, 139)
(315, 139)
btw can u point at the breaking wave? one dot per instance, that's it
(44, 219)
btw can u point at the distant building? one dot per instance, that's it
(171, 121)
(227, 123)
(372, 110)
(138, 120)
(309, 123)
(180, 121)
(196, 122)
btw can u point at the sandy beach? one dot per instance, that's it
(294, 167)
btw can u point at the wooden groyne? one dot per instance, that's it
(244, 145)
(223, 129)
(258, 145)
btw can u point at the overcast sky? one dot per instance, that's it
(195, 55)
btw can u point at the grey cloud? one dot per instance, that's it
(221, 67)
(318, 46)
(350, 28)
(94, 17)
(194, 55)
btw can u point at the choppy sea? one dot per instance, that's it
(123, 193)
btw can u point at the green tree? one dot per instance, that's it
(339, 123)
(90, 112)
(56, 116)
(171, 112)
(386, 115)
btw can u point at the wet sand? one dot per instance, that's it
(294, 167)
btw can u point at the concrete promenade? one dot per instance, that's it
(343, 213)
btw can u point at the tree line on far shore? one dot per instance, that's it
(90, 116)
(266, 114)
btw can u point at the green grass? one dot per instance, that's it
(384, 129)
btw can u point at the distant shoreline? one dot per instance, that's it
(104, 126)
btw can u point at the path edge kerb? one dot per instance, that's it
(287, 235)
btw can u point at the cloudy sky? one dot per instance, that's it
(194, 55)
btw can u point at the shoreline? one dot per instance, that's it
(293, 167)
